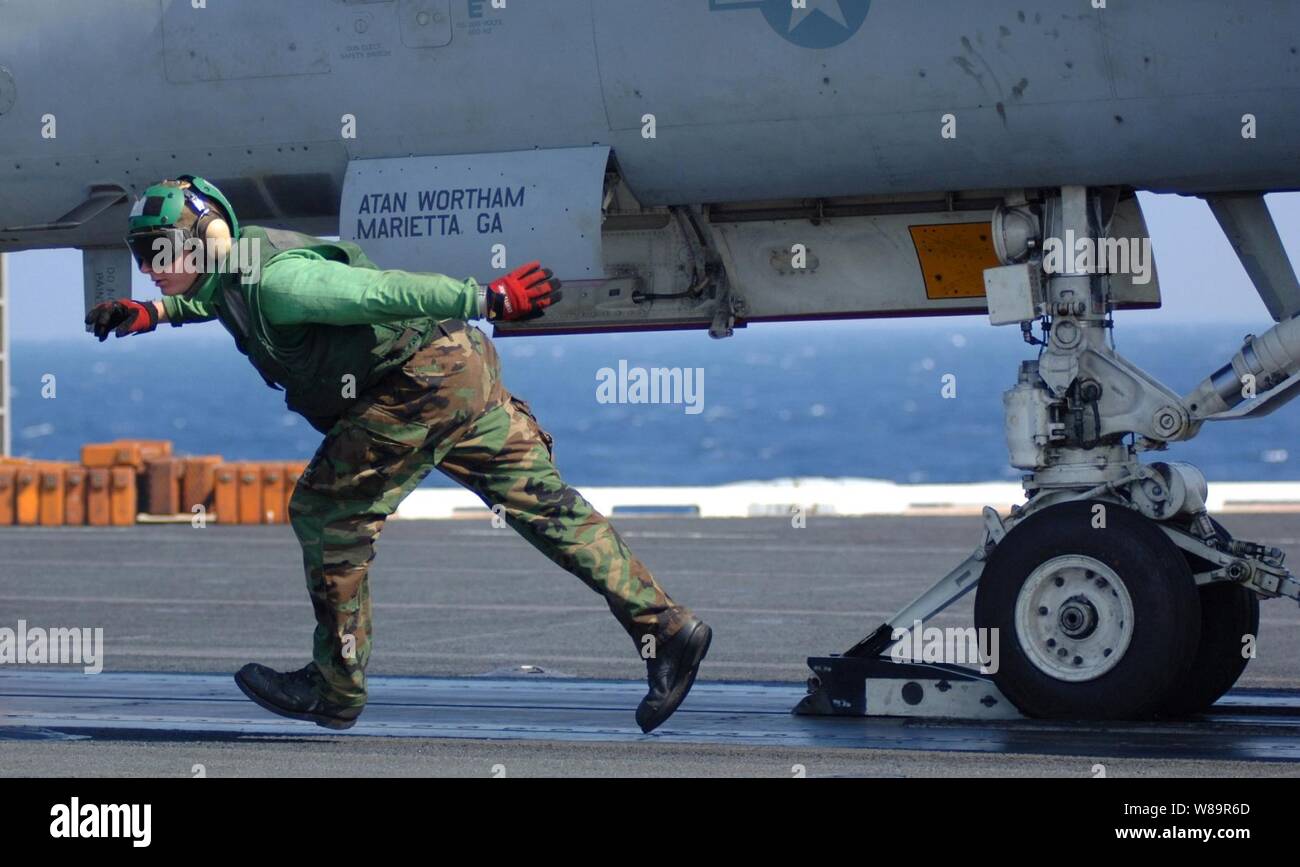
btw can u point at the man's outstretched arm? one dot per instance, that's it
(301, 287)
(177, 310)
(125, 316)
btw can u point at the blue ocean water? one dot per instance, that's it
(859, 399)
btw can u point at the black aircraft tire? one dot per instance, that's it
(1229, 612)
(1111, 615)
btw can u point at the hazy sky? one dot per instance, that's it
(1200, 277)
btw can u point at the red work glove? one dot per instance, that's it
(124, 315)
(522, 294)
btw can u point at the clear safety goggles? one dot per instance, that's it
(159, 247)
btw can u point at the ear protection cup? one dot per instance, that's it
(204, 215)
(216, 201)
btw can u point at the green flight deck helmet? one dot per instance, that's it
(177, 211)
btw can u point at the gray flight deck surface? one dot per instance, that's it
(460, 605)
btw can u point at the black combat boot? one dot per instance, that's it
(672, 671)
(295, 694)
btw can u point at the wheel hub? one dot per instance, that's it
(1078, 617)
(1074, 618)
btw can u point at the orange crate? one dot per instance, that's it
(27, 495)
(198, 482)
(74, 495)
(51, 494)
(273, 493)
(226, 493)
(7, 474)
(99, 511)
(150, 450)
(249, 479)
(163, 486)
(122, 497)
(106, 455)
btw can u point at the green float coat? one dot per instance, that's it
(322, 312)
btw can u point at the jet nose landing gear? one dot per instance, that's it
(1096, 611)
(1111, 592)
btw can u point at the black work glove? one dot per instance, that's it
(123, 316)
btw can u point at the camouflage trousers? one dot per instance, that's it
(446, 408)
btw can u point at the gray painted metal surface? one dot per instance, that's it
(863, 265)
(453, 211)
(751, 100)
(106, 274)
